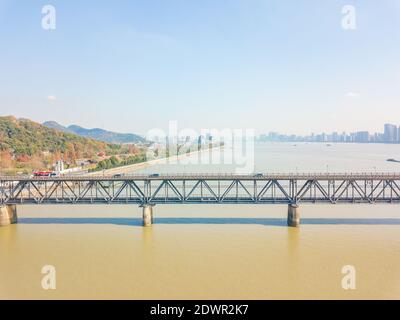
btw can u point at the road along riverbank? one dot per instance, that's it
(142, 165)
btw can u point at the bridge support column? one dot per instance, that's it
(8, 215)
(293, 218)
(147, 215)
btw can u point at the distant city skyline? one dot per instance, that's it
(390, 134)
(285, 66)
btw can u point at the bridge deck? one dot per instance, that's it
(203, 189)
(213, 176)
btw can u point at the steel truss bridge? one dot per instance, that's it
(153, 189)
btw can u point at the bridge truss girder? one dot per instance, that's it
(199, 191)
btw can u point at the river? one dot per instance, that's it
(214, 251)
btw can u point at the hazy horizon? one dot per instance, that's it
(258, 133)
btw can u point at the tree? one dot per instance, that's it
(6, 160)
(114, 161)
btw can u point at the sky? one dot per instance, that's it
(131, 66)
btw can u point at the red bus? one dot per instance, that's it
(44, 173)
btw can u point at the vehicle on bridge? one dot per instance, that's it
(44, 174)
(154, 175)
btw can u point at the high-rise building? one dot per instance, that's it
(398, 134)
(390, 133)
(362, 136)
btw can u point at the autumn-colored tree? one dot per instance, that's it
(23, 158)
(37, 163)
(6, 160)
(70, 154)
(48, 160)
(132, 149)
(57, 156)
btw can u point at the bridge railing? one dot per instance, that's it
(211, 175)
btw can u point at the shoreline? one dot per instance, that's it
(142, 165)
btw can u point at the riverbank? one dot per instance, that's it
(142, 165)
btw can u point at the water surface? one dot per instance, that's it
(213, 251)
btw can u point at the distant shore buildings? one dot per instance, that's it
(391, 134)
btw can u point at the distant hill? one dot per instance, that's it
(23, 137)
(97, 134)
(55, 125)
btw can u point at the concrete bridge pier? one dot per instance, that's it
(147, 215)
(293, 218)
(8, 215)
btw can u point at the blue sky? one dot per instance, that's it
(130, 66)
